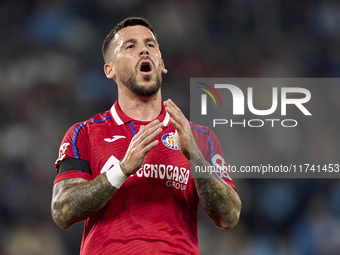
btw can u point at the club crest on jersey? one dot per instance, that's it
(62, 151)
(169, 141)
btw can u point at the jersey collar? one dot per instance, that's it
(121, 118)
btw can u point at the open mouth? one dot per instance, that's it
(145, 67)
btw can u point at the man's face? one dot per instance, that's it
(137, 60)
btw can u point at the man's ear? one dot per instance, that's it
(109, 70)
(163, 67)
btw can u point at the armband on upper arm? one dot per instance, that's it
(74, 164)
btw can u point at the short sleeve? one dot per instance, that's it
(74, 145)
(212, 151)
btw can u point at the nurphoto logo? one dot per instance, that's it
(283, 96)
(204, 97)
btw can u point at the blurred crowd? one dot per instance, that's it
(51, 76)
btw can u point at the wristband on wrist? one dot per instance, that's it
(116, 176)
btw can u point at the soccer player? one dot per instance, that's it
(128, 172)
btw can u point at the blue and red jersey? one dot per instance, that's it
(155, 210)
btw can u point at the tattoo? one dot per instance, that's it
(76, 199)
(123, 168)
(218, 198)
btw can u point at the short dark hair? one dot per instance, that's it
(128, 22)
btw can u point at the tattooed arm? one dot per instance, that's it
(76, 199)
(220, 201)
(218, 198)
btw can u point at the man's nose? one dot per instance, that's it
(144, 51)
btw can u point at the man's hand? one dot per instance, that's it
(76, 199)
(218, 198)
(183, 132)
(140, 145)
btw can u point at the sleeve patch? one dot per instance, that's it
(62, 151)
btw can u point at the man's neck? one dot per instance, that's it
(141, 108)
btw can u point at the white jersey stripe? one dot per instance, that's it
(115, 116)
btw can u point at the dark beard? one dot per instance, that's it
(132, 85)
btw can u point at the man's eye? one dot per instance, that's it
(150, 45)
(130, 46)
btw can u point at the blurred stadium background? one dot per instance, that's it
(51, 74)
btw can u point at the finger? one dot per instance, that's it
(150, 137)
(172, 104)
(147, 130)
(148, 134)
(172, 113)
(151, 126)
(177, 126)
(152, 123)
(177, 119)
(174, 110)
(150, 146)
